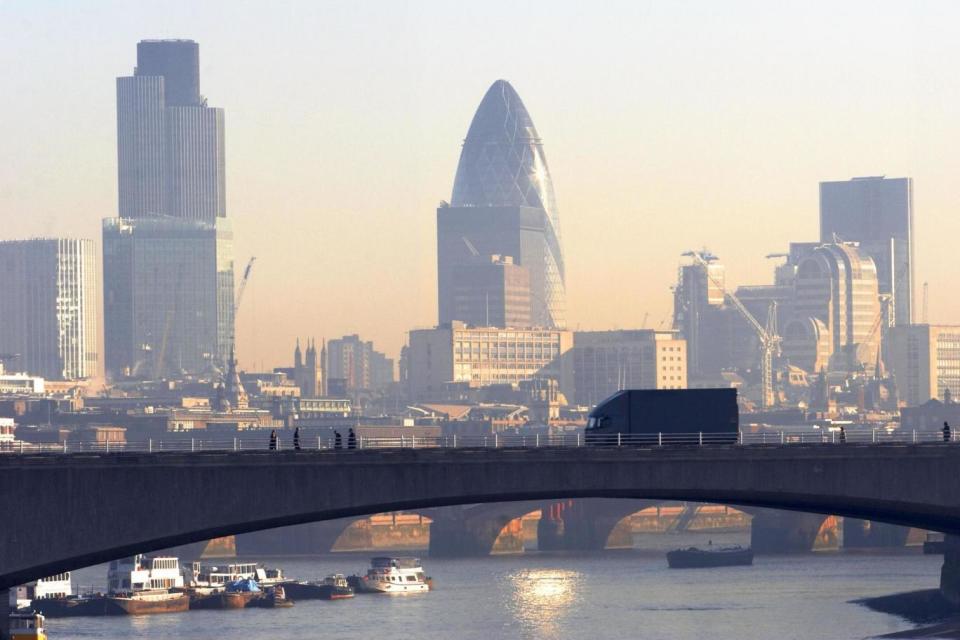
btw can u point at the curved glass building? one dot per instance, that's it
(502, 207)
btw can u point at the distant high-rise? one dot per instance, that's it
(168, 258)
(48, 293)
(492, 293)
(170, 144)
(877, 213)
(503, 204)
(356, 365)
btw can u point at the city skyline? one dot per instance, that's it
(643, 175)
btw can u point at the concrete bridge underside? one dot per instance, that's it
(66, 512)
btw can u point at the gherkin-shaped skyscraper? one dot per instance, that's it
(498, 239)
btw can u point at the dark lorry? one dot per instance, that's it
(665, 416)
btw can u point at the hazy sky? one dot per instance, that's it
(667, 126)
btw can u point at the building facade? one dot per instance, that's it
(50, 300)
(605, 362)
(492, 293)
(168, 258)
(700, 316)
(877, 213)
(483, 356)
(925, 361)
(836, 312)
(503, 204)
(168, 296)
(308, 370)
(353, 365)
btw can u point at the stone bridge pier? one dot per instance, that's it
(478, 530)
(591, 524)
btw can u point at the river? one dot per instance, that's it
(614, 594)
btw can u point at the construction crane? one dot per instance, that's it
(769, 339)
(243, 284)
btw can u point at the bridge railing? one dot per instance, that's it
(260, 442)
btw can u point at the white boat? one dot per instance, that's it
(201, 576)
(141, 573)
(57, 586)
(395, 575)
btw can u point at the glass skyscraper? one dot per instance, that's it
(877, 213)
(503, 205)
(168, 258)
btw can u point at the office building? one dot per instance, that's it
(877, 213)
(836, 312)
(483, 356)
(699, 316)
(353, 365)
(49, 297)
(492, 293)
(170, 144)
(605, 362)
(167, 296)
(168, 258)
(503, 204)
(925, 361)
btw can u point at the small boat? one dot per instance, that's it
(27, 626)
(273, 598)
(392, 575)
(334, 587)
(201, 576)
(141, 585)
(694, 558)
(71, 606)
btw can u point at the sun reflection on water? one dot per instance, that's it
(541, 599)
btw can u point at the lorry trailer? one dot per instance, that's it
(665, 416)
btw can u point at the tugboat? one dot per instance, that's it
(694, 558)
(27, 626)
(334, 587)
(392, 575)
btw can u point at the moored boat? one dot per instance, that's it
(392, 575)
(51, 587)
(145, 603)
(694, 558)
(71, 606)
(333, 587)
(273, 598)
(236, 595)
(27, 626)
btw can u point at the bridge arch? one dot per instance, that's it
(118, 504)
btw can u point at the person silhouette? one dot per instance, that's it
(296, 438)
(946, 431)
(351, 440)
(273, 440)
(337, 442)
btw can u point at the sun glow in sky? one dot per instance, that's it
(667, 126)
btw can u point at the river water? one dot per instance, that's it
(614, 594)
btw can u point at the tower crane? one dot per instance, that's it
(769, 340)
(236, 304)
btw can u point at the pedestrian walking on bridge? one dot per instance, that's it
(337, 442)
(946, 431)
(273, 440)
(296, 438)
(351, 440)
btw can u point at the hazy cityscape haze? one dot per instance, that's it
(668, 127)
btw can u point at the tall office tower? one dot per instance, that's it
(168, 259)
(503, 204)
(876, 212)
(170, 144)
(698, 313)
(48, 292)
(836, 311)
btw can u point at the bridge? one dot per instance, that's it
(120, 503)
